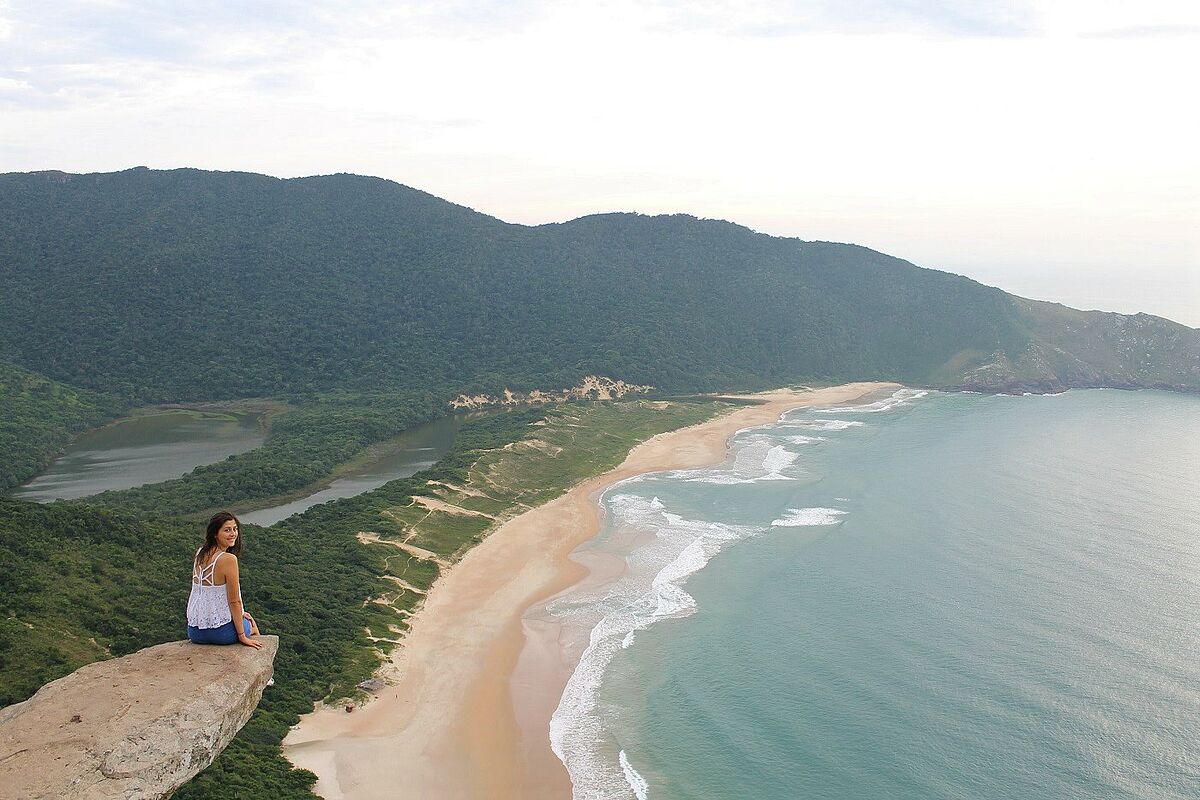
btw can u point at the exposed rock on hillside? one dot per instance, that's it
(593, 387)
(1070, 348)
(134, 727)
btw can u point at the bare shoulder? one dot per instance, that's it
(227, 564)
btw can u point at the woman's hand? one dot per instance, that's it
(246, 640)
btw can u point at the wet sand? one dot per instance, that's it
(474, 685)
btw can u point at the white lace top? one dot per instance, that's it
(208, 605)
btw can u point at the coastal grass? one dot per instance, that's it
(573, 442)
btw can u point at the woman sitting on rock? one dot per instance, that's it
(216, 599)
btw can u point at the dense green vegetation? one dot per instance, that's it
(39, 417)
(169, 286)
(66, 597)
(305, 445)
(82, 582)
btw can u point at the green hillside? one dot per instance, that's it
(39, 416)
(180, 285)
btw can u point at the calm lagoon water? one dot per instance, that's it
(412, 451)
(141, 450)
(157, 447)
(938, 596)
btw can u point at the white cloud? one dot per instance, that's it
(6, 24)
(13, 85)
(1028, 136)
(1090, 18)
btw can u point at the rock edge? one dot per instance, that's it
(135, 727)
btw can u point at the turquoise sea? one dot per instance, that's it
(931, 596)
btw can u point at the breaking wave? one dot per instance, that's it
(641, 789)
(827, 424)
(653, 586)
(899, 398)
(759, 458)
(796, 517)
(680, 547)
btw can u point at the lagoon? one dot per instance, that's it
(144, 449)
(407, 454)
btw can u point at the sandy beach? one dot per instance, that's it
(473, 688)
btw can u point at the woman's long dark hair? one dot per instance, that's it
(210, 536)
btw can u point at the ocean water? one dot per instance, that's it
(933, 596)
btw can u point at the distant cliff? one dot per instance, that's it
(135, 727)
(182, 285)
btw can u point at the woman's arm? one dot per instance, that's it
(233, 593)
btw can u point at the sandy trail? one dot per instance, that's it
(447, 727)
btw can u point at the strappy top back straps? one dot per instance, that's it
(202, 574)
(208, 604)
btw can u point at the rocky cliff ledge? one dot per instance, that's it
(134, 727)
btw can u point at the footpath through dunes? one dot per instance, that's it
(446, 726)
(429, 527)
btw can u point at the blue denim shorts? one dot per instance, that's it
(226, 634)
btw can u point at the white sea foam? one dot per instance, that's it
(758, 458)
(721, 479)
(680, 548)
(641, 789)
(899, 398)
(796, 517)
(779, 458)
(652, 589)
(803, 439)
(827, 424)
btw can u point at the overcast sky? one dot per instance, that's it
(1047, 148)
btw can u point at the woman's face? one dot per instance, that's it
(228, 534)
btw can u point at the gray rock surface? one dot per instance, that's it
(134, 727)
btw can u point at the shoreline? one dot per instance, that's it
(474, 684)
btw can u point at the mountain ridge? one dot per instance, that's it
(347, 281)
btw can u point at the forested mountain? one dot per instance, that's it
(179, 285)
(363, 306)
